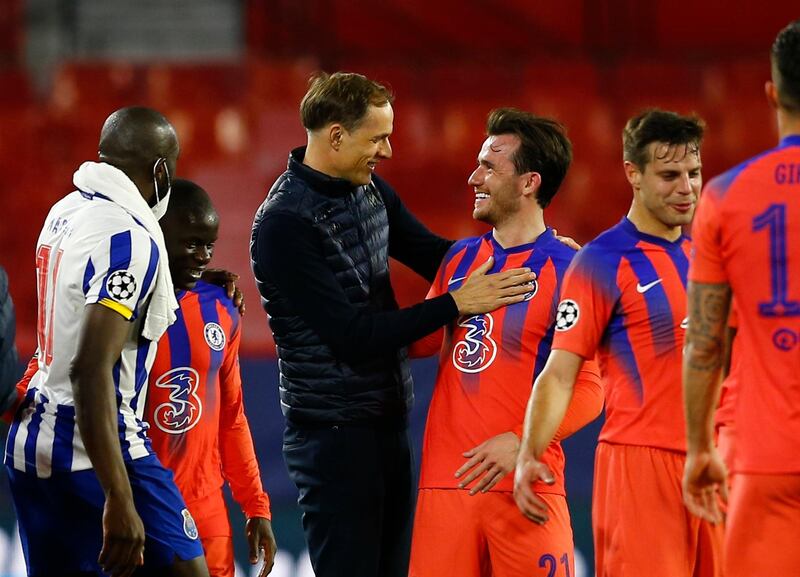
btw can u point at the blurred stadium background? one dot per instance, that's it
(230, 74)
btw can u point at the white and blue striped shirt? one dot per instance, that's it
(90, 251)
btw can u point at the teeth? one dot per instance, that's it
(481, 195)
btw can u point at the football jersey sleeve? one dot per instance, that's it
(706, 264)
(239, 464)
(120, 272)
(588, 298)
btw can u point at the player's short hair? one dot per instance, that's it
(187, 197)
(544, 147)
(786, 66)
(655, 125)
(341, 97)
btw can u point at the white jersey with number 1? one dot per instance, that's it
(90, 251)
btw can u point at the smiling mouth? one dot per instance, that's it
(372, 165)
(481, 196)
(195, 273)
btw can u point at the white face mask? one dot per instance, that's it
(160, 207)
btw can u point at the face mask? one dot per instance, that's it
(160, 207)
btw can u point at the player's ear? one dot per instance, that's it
(772, 93)
(633, 174)
(531, 183)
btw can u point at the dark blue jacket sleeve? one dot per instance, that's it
(304, 278)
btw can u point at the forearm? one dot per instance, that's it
(703, 360)
(240, 469)
(584, 407)
(96, 416)
(546, 409)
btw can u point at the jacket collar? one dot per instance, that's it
(319, 181)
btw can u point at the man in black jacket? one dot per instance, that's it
(320, 253)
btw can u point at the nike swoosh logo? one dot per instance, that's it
(453, 280)
(644, 288)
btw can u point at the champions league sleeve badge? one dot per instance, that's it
(567, 315)
(121, 285)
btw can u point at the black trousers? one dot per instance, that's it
(357, 494)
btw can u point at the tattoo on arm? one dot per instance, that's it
(709, 305)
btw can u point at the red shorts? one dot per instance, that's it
(214, 527)
(486, 535)
(641, 526)
(763, 526)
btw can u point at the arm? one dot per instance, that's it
(548, 404)
(304, 278)
(427, 346)
(496, 457)
(703, 362)
(587, 401)
(239, 464)
(103, 335)
(410, 241)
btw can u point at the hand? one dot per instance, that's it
(226, 280)
(705, 481)
(123, 537)
(495, 457)
(482, 293)
(529, 471)
(260, 538)
(569, 241)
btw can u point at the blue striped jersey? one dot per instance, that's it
(90, 251)
(624, 300)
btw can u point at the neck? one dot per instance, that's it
(788, 123)
(645, 222)
(317, 158)
(519, 229)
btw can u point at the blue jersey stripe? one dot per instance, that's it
(209, 314)
(122, 428)
(88, 274)
(12, 432)
(662, 322)
(140, 376)
(64, 430)
(464, 264)
(33, 436)
(619, 347)
(152, 266)
(681, 263)
(514, 321)
(119, 258)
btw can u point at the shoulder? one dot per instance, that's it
(211, 293)
(718, 187)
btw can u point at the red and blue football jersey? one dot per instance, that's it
(489, 362)
(747, 235)
(194, 403)
(624, 300)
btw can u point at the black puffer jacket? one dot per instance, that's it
(9, 368)
(345, 361)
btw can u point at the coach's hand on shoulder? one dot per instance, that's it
(567, 240)
(123, 537)
(227, 280)
(482, 293)
(494, 459)
(260, 538)
(528, 472)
